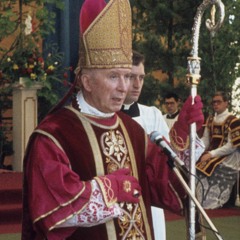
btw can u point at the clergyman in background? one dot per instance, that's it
(219, 165)
(171, 102)
(151, 119)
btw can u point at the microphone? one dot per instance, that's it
(157, 138)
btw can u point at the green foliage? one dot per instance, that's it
(25, 24)
(24, 58)
(221, 53)
(162, 31)
(30, 64)
(5, 20)
(154, 91)
(151, 90)
(28, 23)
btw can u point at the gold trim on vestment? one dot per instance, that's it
(49, 136)
(178, 142)
(111, 231)
(87, 118)
(70, 216)
(107, 190)
(146, 145)
(235, 134)
(61, 205)
(219, 133)
(204, 165)
(110, 228)
(135, 174)
(68, 202)
(67, 218)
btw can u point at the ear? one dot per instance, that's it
(78, 81)
(86, 82)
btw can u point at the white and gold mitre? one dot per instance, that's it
(105, 39)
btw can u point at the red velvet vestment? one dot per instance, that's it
(69, 149)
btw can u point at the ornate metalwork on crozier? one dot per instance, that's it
(193, 76)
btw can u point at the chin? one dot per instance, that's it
(135, 99)
(116, 108)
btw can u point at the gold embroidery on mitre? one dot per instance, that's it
(108, 40)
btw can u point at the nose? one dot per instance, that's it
(123, 84)
(137, 82)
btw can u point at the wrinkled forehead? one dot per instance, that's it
(106, 71)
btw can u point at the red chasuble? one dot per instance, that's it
(69, 149)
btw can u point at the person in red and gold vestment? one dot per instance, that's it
(90, 171)
(219, 165)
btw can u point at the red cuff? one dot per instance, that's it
(107, 188)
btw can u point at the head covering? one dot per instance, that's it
(105, 38)
(105, 34)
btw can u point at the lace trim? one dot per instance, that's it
(95, 213)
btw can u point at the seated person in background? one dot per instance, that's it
(220, 163)
(171, 102)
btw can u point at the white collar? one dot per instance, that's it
(222, 116)
(226, 112)
(88, 109)
(127, 106)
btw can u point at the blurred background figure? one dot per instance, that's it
(171, 102)
(149, 117)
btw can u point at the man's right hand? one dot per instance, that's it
(119, 186)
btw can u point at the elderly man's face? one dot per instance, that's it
(106, 89)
